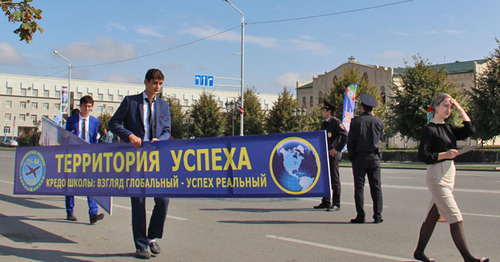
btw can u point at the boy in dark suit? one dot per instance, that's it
(145, 117)
(84, 125)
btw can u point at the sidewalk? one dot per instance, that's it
(418, 165)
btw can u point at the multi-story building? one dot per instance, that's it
(464, 74)
(24, 100)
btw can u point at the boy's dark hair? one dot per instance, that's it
(86, 99)
(154, 73)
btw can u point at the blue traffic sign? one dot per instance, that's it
(203, 80)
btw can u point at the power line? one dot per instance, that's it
(329, 14)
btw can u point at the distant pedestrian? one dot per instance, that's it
(363, 144)
(438, 148)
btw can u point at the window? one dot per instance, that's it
(304, 101)
(46, 106)
(23, 91)
(34, 118)
(34, 105)
(23, 104)
(311, 101)
(110, 97)
(8, 104)
(8, 91)
(57, 106)
(100, 97)
(58, 94)
(22, 117)
(7, 117)
(99, 109)
(46, 93)
(110, 109)
(35, 92)
(320, 97)
(6, 129)
(79, 95)
(120, 97)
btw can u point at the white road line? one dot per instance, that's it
(487, 191)
(480, 215)
(341, 249)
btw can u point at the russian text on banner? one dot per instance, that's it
(276, 165)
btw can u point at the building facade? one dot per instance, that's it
(24, 100)
(464, 74)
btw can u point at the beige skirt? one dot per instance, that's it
(440, 181)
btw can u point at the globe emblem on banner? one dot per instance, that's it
(32, 171)
(295, 165)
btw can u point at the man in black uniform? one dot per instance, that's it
(337, 137)
(363, 144)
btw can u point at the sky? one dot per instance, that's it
(285, 40)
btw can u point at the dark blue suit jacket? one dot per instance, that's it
(73, 122)
(130, 114)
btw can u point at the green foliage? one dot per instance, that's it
(485, 100)
(420, 85)
(29, 139)
(103, 121)
(25, 14)
(280, 118)
(208, 121)
(254, 115)
(335, 94)
(178, 129)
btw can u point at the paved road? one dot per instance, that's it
(32, 228)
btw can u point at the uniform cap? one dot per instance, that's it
(367, 100)
(329, 106)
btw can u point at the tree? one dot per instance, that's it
(176, 116)
(280, 118)
(335, 94)
(485, 100)
(254, 116)
(420, 85)
(25, 14)
(208, 121)
(103, 121)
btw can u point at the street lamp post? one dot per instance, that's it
(69, 80)
(230, 106)
(242, 79)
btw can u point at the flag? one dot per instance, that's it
(53, 134)
(348, 108)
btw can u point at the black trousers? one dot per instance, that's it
(156, 222)
(334, 180)
(362, 166)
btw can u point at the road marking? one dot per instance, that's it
(480, 215)
(341, 249)
(487, 191)
(147, 212)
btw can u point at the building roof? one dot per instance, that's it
(305, 85)
(452, 68)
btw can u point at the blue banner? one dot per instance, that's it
(276, 165)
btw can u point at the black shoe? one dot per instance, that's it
(155, 248)
(142, 253)
(323, 205)
(358, 220)
(70, 217)
(96, 217)
(378, 220)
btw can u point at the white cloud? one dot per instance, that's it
(147, 31)
(231, 36)
(10, 56)
(390, 54)
(290, 79)
(315, 47)
(104, 49)
(123, 79)
(115, 26)
(432, 32)
(401, 33)
(454, 32)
